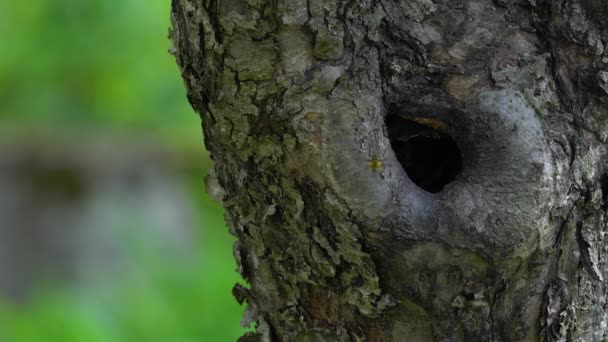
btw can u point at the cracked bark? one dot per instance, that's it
(306, 109)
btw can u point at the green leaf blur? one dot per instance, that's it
(101, 64)
(72, 70)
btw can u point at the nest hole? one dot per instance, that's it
(429, 156)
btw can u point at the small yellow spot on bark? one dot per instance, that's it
(375, 164)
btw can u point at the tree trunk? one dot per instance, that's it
(416, 170)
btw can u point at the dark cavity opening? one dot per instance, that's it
(429, 156)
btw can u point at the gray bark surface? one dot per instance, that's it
(335, 240)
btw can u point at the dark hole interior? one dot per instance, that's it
(430, 158)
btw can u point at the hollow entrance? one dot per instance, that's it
(429, 156)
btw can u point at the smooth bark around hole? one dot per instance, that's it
(430, 158)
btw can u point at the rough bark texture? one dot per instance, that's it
(335, 240)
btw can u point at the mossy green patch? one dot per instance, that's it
(252, 60)
(328, 46)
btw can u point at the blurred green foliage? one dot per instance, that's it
(75, 68)
(162, 301)
(99, 64)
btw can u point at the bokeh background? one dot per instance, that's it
(106, 232)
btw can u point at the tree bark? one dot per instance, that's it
(421, 170)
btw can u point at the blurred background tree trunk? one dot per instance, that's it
(407, 171)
